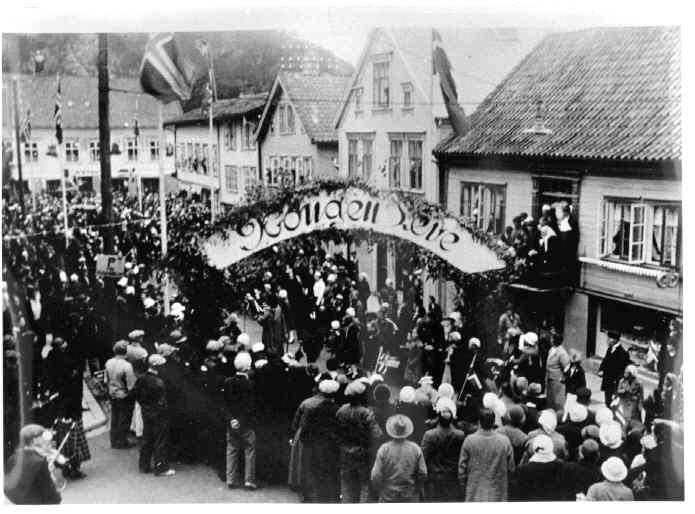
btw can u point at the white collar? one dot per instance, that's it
(564, 225)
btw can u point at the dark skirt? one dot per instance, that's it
(76, 448)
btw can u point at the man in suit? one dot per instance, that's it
(612, 366)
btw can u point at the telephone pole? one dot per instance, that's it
(105, 143)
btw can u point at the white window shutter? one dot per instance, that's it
(637, 233)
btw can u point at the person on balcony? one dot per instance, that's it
(568, 235)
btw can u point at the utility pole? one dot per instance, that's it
(105, 143)
(18, 153)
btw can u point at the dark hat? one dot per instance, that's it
(614, 334)
(382, 393)
(584, 395)
(590, 432)
(516, 414)
(399, 426)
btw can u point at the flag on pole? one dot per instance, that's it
(26, 127)
(442, 66)
(58, 115)
(204, 49)
(165, 73)
(136, 127)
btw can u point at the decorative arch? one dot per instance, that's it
(348, 206)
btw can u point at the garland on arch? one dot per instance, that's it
(210, 290)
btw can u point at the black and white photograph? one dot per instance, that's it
(334, 253)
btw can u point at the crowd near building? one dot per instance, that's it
(570, 160)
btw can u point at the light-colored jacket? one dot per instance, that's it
(486, 464)
(558, 362)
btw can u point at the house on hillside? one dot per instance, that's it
(392, 113)
(232, 170)
(592, 119)
(134, 154)
(295, 133)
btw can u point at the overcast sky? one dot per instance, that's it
(333, 25)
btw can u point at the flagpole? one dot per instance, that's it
(162, 204)
(63, 180)
(211, 158)
(18, 158)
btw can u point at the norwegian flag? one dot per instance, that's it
(58, 114)
(442, 66)
(165, 73)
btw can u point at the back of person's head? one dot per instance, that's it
(589, 451)
(382, 393)
(486, 418)
(120, 348)
(30, 432)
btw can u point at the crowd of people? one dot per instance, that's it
(352, 393)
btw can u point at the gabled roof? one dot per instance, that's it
(607, 93)
(225, 109)
(315, 98)
(80, 101)
(480, 58)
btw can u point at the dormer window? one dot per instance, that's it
(381, 93)
(407, 95)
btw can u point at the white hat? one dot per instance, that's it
(455, 315)
(543, 449)
(328, 386)
(355, 388)
(426, 380)
(165, 349)
(631, 370)
(335, 324)
(128, 265)
(489, 400)
(130, 290)
(176, 307)
(614, 470)
(257, 347)
(407, 394)
(529, 339)
(648, 442)
(350, 312)
(282, 293)
(446, 404)
(332, 277)
(242, 361)
(214, 346)
(548, 420)
(611, 434)
(74, 277)
(135, 270)
(149, 302)
(577, 412)
(603, 415)
(156, 360)
(122, 282)
(499, 408)
(446, 390)
(260, 363)
(375, 378)
(473, 341)
(243, 338)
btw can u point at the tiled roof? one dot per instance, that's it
(607, 93)
(81, 103)
(222, 109)
(316, 99)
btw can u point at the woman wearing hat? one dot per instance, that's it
(612, 488)
(630, 394)
(542, 478)
(399, 470)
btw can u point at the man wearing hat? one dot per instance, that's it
(529, 365)
(240, 414)
(358, 433)
(507, 320)
(399, 470)
(611, 488)
(150, 392)
(441, 446)
(612, 366)
(120, 382)
(556, 366)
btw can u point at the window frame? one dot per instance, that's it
(420, 183)
(381, 84)
(231, 178)
(153, 148)
(94, 150)
(31, 151)
(407, 88)
(395, 178)
(72, 150)
(358, 96)
(132, 147)
(481, 197)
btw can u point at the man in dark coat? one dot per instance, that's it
(150, 392)
(542, 478)
(612, 366)
(240, 415)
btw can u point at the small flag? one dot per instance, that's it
(202, 47)
(164, 72)
(58, 115)
(26, 127)
(442, 66)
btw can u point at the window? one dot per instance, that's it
(231, 177)
(72, 151)
(357, 97)
(154, 148)
(94, 150)
(293, 169)
(190, 156)
(197, 158)
(367, 158)
(275, 175)
(407, 95)
(483, 205)
(290, 119)
(352, 157)
(282, 119)
(641, 232)
(249, 176)
(381, 84)
(31, 152)
(205, 160)
(415, 163)
(215, 160)
(248, 142)
(395, 163)
(230, 136)
(132, 148)
(308, 168)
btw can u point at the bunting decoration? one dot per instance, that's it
(165, 73)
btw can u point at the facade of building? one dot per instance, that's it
(296, 137)
(392, 114)
(133, 157)
(232, 170)
(591, 119)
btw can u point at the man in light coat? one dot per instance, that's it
(557, 364)
(486, 462)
